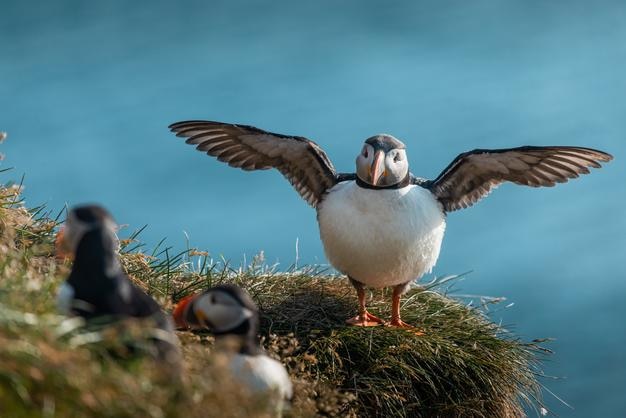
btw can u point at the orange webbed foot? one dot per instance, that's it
(365, 320)
(398, 323)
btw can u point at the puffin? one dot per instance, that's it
(229, 313)
(97, 288)
(382, 226)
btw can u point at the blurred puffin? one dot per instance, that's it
(97, 287)
(232, 317)
(382, 226)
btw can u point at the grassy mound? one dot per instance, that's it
(51, 366)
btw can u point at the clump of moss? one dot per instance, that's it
(463, 366)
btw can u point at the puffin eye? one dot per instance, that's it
(365, 152)
(397, 157)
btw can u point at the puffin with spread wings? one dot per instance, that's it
(382, 226)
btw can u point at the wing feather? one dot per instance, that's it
(300, 160)
(472, 175)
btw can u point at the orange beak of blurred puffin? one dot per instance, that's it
(180, 310)
(377, 171)
(61, 247)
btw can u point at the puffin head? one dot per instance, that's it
(81, 220)
(224, 310)
(382, 161)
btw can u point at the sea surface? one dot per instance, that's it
(87, 90)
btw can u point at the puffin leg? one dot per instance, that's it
(364, 318)
(398, 291)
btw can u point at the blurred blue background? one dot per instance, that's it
(87, 90)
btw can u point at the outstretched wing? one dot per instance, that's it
(472, 175)
(300, 160)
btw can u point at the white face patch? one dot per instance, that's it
(221, 311)
(395, 163)
(396, 166)
(364, 162)
(75, 230)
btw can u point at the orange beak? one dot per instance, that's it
(180, 310)
(376, 170)
(61, 247)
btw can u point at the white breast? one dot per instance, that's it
(381, 237)
(262, 374)
(65, 298)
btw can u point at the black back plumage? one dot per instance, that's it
(102, 292)
(99, 282)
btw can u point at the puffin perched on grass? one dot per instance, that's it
(232, 317)
(97, 287)
(382, 226)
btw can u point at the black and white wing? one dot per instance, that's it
(300, 160)
(472, 175)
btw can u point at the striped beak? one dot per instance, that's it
(180, 312)
(377, 169)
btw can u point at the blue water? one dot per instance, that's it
(87, 90)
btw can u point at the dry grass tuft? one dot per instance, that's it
(51, 366)
(464, 365)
